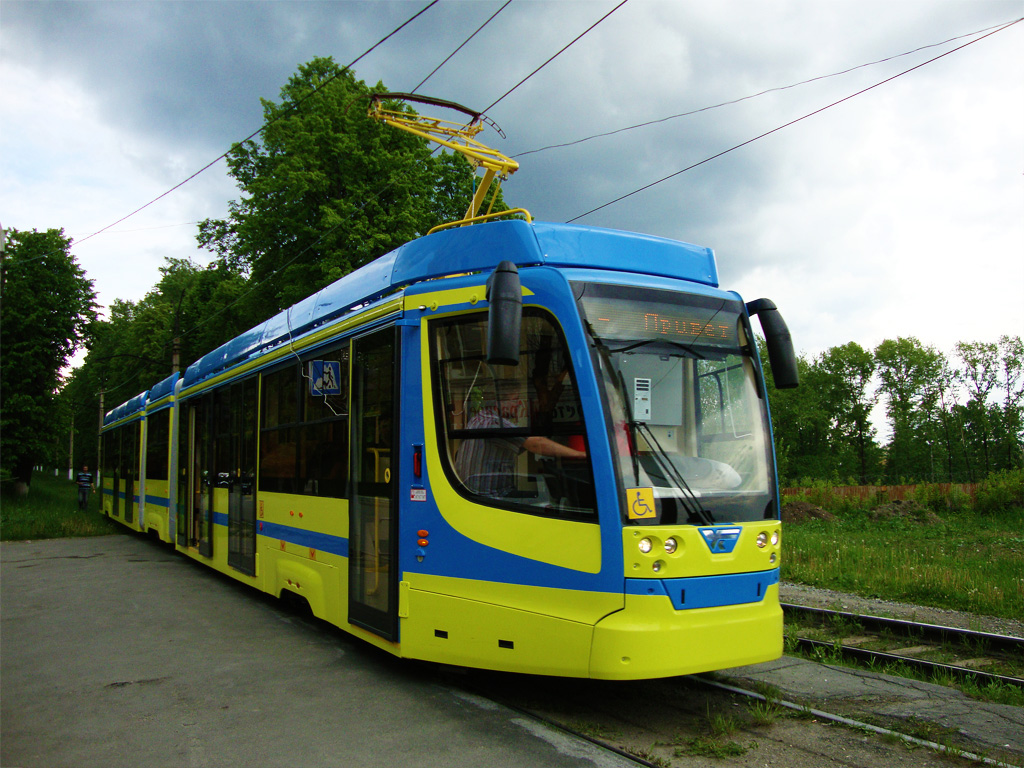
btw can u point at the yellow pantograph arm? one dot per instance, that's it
(457, 137)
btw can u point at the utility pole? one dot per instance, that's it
(3, 251)
(176, 344)
(71, 451)
(99, 444)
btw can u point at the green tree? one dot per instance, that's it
(46, 306)
(980, 375)
(914, 377)
(844, 374)
(190, 311)
(799, 423)
(1011, 381)
(326, 189)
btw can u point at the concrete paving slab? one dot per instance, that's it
(864, 695)
(115, 651)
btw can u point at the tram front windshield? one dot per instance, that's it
(685, 411)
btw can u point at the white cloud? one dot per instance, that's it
(896, 213)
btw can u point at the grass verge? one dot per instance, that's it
(959, 560)
(50, 511)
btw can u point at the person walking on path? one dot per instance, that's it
(85, 487)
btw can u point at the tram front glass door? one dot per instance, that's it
(372, 557)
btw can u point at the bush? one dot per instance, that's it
(1001, 491)
(940, 498)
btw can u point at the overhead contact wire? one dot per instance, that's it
(464, 42)
(791, 122)
(384, 189)
(753, 95)
(268, 123)
(560, 52)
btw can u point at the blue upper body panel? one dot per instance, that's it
(164, 388)
(462, 250)
(133, 407)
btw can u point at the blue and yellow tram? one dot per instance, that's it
(516, 446)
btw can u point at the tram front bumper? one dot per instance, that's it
(649, 638)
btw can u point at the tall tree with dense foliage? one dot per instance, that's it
(188, 313)
(47, 303)
(913, 378)
(844, 374)
(799, 423)
(326, 189)
(1011, 381)
(979, 374)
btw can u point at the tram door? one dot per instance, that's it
(195, 489)
(239, 447)
(373, 507)
(114, 453)
(129, 468)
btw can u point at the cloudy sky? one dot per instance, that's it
(898, 212)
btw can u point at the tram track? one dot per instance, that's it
(729, 718)
(894, 645)
(718, 719)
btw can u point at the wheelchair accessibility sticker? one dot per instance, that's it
(641, 503)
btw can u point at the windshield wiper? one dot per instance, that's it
(687, 350)
(691, 501)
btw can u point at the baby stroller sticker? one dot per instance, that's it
(324, 377)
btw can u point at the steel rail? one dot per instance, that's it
(932, 632)
(922, 665)
(994, 642)
(944, 749)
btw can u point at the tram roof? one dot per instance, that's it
(163, 388)
(459, 250)
(126, 409)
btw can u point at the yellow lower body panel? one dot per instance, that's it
(452, 630)
(156, 520)
(650, 639)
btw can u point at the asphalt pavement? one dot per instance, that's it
(114, 651)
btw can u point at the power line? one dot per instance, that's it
(791, 122)
(564, 48)
(251, 287)
(293, 106)
(753, 95)
(464, 42)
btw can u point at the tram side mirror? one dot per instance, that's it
(505, 314)
(781, 356)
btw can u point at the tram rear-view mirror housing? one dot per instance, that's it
(505, 314)
(781, 356)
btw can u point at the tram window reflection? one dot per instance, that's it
(514, 434)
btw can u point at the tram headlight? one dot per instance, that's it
(657, 566)
(762, 539)
(775, 538)
(670, 545)
(645, 545)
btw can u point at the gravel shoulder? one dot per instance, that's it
(816, 597)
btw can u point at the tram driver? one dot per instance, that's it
(487, 466)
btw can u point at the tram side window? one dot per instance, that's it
(513, 434)
(111, 446)
(278, 417)
(304, 427)
(323, 434)
(223, 437)
(158, 434)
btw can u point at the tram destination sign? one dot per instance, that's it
(616, 319)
